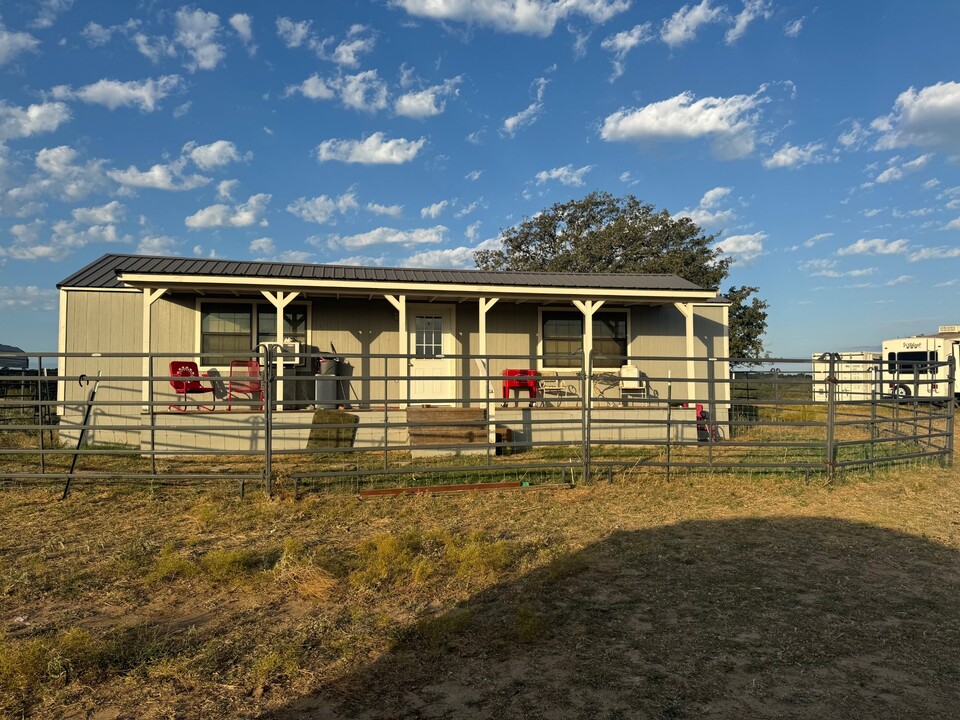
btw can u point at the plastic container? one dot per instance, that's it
(327, 370)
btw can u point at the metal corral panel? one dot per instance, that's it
(857, 374)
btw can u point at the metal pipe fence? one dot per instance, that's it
(375, 422)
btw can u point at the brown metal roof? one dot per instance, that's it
(102, 273)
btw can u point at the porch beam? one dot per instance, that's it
(400, 303)
(483, 363)
(150, 296)
(588, 308)
(686, 309)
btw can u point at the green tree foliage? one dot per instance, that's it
(605, 234)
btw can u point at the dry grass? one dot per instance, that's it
(715, 595)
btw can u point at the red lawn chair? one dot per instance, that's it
(188, 384)
(245, 380)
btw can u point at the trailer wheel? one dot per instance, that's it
(901, 392)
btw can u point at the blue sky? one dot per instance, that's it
(822, 142)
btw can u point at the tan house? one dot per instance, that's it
(408, 335)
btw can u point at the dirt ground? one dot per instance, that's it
(712, 596)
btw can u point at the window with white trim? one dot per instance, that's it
(561, 333)
(230, 331)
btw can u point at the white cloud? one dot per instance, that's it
(934, 253)
(145, 94)
(469, 208)
(17, 122)
(433, 211)
(391, 236)
(293, 33)
(154, 48)
(458, 257)
(826, 268)
(198, 33)
(427, 102)
(242, 215)
(875, 246)
(811, 241)
(47, 12)
(158, 245)
(242, 25)
(792, 29)
(391, 210)
(854, 137)
(530, 17)
(900, 280)
(13, 44)
(683, 25)
(263, 246)
(730, 122)
(373, 150)
(706, 213)
(364, 91)
(565, 175)
(792, 156)
(112, 212)
(313, 88)
(66, 237)
(62, 175)
(953, 224)
(347, 52)
(622, 43)
(742, 248)
(216, 154)
(321, 209)
(529, 114)
(226, 188)
(161, 176)
(928, 117)
(752, 9)
(29, 297)
(898, 171)
(473, 175)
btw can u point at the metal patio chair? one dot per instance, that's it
(244, 380)
(185, 379)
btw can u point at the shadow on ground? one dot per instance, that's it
(786, 618)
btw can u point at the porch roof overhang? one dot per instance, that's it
(447, 291)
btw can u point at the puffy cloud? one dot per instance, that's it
(62, 175)
(66, 236)
(742, 248)
(529, 114)
(225, 189)
(683, 25)
(729, 122)
(458, 257)
(112, 212)
(17, 122)
(198, 33)
(391, 236)
(391, 210)
(792, 156)
(530, 17)
(242, 215)
(622, 43)
(29, 297)
(433, 211)
(242, 25)
(321, 209)
(158, 245)
(428, 102)
(565, 175)
(898, 170)
(293, 33)
(159, 177)
(263, 246)
(347, 52)
(216, 154)
(706, 213)
(154, 48)
(928, 117)
(854, 137)
(313, 88)
(145, 94)
(373, 150)
(934, 253)
(48, 10)
(752, 9)
(875, 246)
(827, 268)
(364, 91)
(13, 44)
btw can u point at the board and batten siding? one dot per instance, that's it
(102, 322)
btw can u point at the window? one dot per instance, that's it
(231, 331)
(905, 363)
(429, 336)
(562, 336)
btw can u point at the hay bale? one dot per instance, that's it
(325, 432)
(447, 426)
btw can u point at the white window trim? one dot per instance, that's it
(554, 308)
(254, 305)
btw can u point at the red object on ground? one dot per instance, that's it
(519, 379)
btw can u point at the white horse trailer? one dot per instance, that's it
(857, 375)
(916, 366)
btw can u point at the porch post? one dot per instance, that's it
(588, 308)
(280, 300)
(686, 309)
(149, 297)
(400, 303)
(484, 365)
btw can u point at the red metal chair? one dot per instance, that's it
(188, 384)
(244, 380)
(519, 379)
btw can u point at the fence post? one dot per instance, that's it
(586, 418)
(831, 382)
(40, 409)
(951, 408)
(712, 404)
(269, 392)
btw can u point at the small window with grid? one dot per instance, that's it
(429, 336)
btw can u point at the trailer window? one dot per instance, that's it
(906, 363)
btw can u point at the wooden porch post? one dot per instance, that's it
(280, 300)
(588, 308)
(149, 297)
(400, 303)
(484, 365)
(686, 309)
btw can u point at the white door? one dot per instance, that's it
(432, 342)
